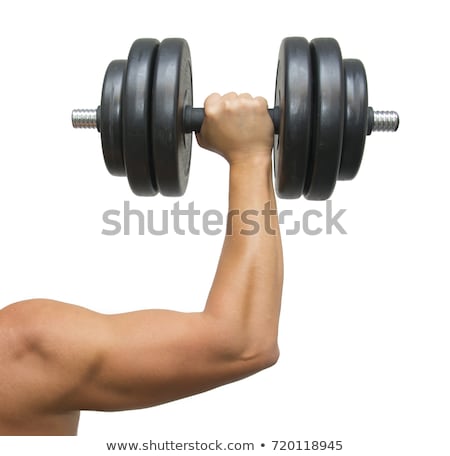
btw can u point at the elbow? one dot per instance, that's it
(251, 360)
(260, 358)
(247, 355)
(273, 357)
(241, 348)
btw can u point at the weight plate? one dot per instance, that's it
(293, 97)
(111, 117)
(172, 91)
(355, 125)
(136, 116)
(328, 118)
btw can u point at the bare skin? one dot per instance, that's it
(58, 359)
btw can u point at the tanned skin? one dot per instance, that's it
(58, 359)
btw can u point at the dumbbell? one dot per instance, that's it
(321, 117)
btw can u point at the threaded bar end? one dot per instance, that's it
(84, 118)
(385, 121)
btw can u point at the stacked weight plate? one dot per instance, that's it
(323, 108)
(141, 117)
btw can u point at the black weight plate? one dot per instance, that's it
(355, 125)
(136, 116)
(293, 97)
(172, 91)
(328, 118)
(111, 117)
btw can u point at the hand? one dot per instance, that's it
(238, 127)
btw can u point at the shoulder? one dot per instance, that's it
(24, 324)
(18, 326)
(42, 325)
(30, 380)
(26, 311)
(49, 348)
(19, 343)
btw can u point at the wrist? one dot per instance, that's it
(251, 163)
(253, 174)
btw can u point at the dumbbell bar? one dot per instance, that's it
(376, 120)
(321, 117)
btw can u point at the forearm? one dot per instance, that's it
(246, 293)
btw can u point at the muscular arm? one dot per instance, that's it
(64, 357)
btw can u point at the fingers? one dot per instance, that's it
(211, 103)
(262, 102)
(216, 103)
(245, 96)
(232, 96)
(214, 97)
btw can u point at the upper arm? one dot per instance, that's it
(72, 358)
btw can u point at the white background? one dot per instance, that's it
(364, 334)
